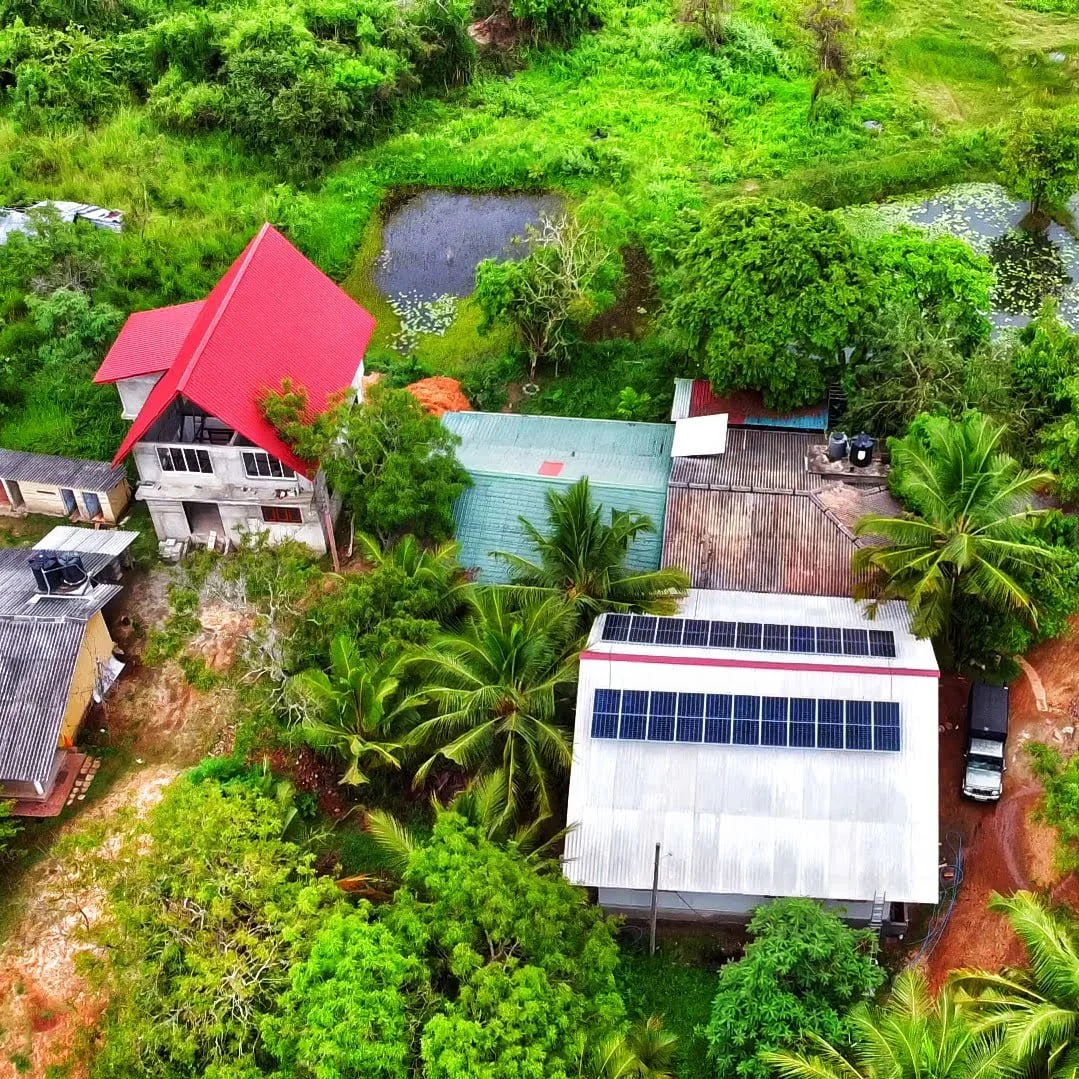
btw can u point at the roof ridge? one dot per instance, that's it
(832, 516)
(222, 307)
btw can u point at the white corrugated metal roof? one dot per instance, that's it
(104, 541)
(700, 436)
(760, 820)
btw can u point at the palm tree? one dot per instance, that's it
(435, 570)
(644, 1051)
(349, 710)
(968, 537)
(1034, 1010)
(583, 558)
(494, 683)
(913, 1036)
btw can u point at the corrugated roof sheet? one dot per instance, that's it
(514, 460)
(106, 541)
(695, 397)
(754, 519)
(37, 662)
(70, 472)
(19, 597)
(274, 315)
(761, 821)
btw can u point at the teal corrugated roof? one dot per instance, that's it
(628, 465)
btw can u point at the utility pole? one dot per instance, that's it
(655, 900)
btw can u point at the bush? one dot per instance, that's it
(801, 973)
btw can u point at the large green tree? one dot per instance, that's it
(766, 295)
(493, 686)
(911, 1036)
(392, 464)
(969, 535)
(801, 973)
(1041, 155)
(582, 558)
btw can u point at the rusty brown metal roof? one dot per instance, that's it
(753, 461)
(754, 520)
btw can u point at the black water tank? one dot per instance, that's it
(47, 571)
(838, 444)
(71, 565)
(861, 450)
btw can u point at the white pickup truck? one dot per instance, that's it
(983, 777)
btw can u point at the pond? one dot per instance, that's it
(432, 242)
(1029, 266)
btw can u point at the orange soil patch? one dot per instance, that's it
(440, 394)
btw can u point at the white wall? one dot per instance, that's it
(133, 393)
(228, 480)
(237, 519)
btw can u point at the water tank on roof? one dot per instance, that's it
(71, 564)
(838, 444)
(861, 450)
(47, 571)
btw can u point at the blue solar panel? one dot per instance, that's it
(616, 627)
(855, 642)
(669, 631)
(803, 639)
(634, 714)
(882, 643)
(723, 719)
(749, 635)
(776, 638)
(829, 641)
(695, 634)
(661, 717)
(859, 725)
(717, 723)
(643, 630)
(774, 721)
(747, 721)
(690, 726)
(721, 635)
(605, 713)
(803, 722)
(830, 724)
(886, 726)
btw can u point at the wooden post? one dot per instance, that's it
(655, 900)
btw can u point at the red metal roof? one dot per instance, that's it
(274, 315)
(148, 342)
(740, 406)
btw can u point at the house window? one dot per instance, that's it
(260, 465)
(184, 459)
(281, 515)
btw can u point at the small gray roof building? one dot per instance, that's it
(71, 472)
(515, 460)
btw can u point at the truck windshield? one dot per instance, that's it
(987, 764)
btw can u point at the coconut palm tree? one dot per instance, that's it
(912, 1036)
(494, 684)
(350, 709)
(435, 570)
(969, 537)
(583, 558)
(1034, 1010)
(644, 1051)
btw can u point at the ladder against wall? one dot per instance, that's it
(876, 918)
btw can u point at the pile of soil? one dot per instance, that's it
(440, 394)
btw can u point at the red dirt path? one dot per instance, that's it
(1004, 849)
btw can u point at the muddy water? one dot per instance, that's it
(1029, 265)
(432, 242)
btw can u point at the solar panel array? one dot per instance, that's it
(755, 636)
(737, 719)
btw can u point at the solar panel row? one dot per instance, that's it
(755, 636)
(737, 719)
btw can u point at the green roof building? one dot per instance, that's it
(514, 460)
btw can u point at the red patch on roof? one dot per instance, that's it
(551, 468)
(274, 315)
(740, 406)
(148, 342)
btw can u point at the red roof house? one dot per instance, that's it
(192, 377)
(274, 315)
